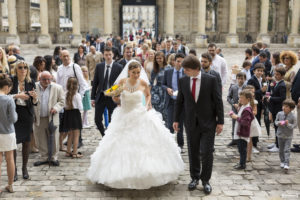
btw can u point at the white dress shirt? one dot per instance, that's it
(65, 72)
(248, 74)
(219, 65)
(44, 100)
(109, 70)
(198, 84)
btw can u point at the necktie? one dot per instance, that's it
(105, 83)
(194, 88)
(177, 78)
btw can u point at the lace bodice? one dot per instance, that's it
(131, 100)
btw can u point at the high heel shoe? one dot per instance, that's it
(25, 173)
(9, 189)
(16, 175)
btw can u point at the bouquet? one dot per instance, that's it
(114, 91)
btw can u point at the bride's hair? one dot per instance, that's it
(134, 65)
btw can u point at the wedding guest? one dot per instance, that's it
(158, 94)
(144, 53)
(246, 69)
(233, 100)
(219, 52)
(8, 117)
(92, 59)
(79, 56)
(244, 119)
(16, 52)
(264, 59)
(170, 61)
(193, 52)
(255, 59)
(148, 65)
(72, 117)
(248, 55)
(168, 48)
(39, 65)
(275, 60)
(127, 55)
(23, 92)
(86, 101)
(289, 59)
(286, 122)
(3, 62)
(51, 102)
(49, 63)
(56, 55)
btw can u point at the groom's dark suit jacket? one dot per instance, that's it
(97, 90)
(207, 111)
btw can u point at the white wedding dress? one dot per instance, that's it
(137, 151)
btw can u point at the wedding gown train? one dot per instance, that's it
(137, 151)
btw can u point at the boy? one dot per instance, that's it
(233, 98)
(246, 69)
(278, 95)
(260, 90)
(286, 122)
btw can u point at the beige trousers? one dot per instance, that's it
(41, 139)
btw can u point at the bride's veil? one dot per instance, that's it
(124, 73)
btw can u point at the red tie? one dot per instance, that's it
(194, 88)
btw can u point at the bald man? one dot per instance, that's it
(51, 102)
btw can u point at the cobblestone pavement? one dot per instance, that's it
(263, 178)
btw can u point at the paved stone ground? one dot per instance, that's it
(263, 178)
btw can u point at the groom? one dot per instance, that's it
(106, 74)
(201, 99)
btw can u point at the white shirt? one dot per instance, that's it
(44, 100)
(77, 102)
(65, 72)
(248, 74)
(219, 65)
(109, 70)
(198, 84)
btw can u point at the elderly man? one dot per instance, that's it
(92, 59)
(51, 101)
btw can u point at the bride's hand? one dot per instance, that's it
(116, 99)
(149, 106)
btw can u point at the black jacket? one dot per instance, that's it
(296, 87)
(258, 93)
(278, 95)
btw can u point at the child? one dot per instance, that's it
(246, 69)
(255, 129)
(72, 117)
(275, 98)
(8, 117)
(242, 127)
(86, 101)
(233, 98)
(286, 122)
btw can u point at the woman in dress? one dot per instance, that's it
(143, 55)
(137, 151)
(148, 65)
(80, 57)
(23, 92)
(289, 59)
(158, 94)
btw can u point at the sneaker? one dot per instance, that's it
(254, 150)
(274, 149)
(270, 146)
(282, 165)
(286, 167)
(86, 126)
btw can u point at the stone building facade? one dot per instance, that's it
(199, 21)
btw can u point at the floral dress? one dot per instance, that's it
(158, 94)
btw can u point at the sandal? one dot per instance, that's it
(9, 189)
(68, 154)
(63, 150)
(78, 155)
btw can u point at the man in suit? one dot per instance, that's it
(295, 91)
(200, 97)
(175, 48)
(168, 50)
(278, 95)
(127, 55)
(170, 84)
(92, 59)
(17, 52)
(51, 102)
(260, 90)
(116, 53)
(99, 45)
(255, 53)
(206, 62)
(268, 65)
(106, 74)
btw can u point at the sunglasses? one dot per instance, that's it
(20, 67)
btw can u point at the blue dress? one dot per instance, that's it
(158, 94)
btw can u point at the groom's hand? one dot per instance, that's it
(219, 128)
(176, 126)
(93, 103)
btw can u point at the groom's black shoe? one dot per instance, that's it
(193, 184)
(206, 187)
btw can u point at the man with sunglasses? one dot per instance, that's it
(51, 101)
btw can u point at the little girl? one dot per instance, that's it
(8, 117)
(72, 117)
(242, 127)
(255, 130)
(86, 101)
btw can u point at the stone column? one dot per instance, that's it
(264, 16)
(232, 38)
(201, 38)
(44, 39)
(169, 23)
(12, 20)
(76, 40)
(294, 37)
(107, 17)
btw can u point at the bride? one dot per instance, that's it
(137, 151)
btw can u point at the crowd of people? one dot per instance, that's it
(56, 90)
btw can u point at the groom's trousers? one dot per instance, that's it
(200, 149)
(170, 111)
(104, 102)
